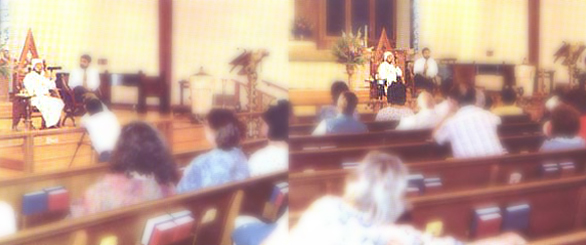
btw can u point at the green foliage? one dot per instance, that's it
(349, 49)
(4, 66)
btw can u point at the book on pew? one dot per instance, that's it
(486, 222)
(432, 185)
(413, 191)
(516, 217)
(550, 170)
(184, 223)
(58, 198)
(567, 168)
(150, 226)
(34, 203)
(163, 234)
(417, 181)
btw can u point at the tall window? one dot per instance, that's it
(354, 15)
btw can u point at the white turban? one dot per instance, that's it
(34, 62)
(386, 54)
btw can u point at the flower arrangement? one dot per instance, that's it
(302, 28)
(349, 50)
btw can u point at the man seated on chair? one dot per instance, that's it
(84, 79)
(39, 84)
(425, 69)
(102, 126)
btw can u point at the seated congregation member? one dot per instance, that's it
(396, 110)
(344, 123)
(225, 162)
(102, 126)
(444, 108)
(426, 118)
(331, 111)
(471, 131)
(373, 202)
(577, 98)
(563, 130)
(509, 107)
(141, 169)
(275, 156)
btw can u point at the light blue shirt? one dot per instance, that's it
(215, 167)
(331, 111)
(563, 144)
(343, 124)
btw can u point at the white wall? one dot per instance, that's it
(560, 21)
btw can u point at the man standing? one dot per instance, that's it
(84, 79)
(38, 84)
(425, 69)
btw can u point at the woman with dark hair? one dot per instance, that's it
(563, 129)
(225, 162)
(331, 111)
(142, 169)
(275, 156)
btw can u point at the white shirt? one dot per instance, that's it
(272, 158)
(92, 82)
(419, 66)
(442, 109)
(472, 132)
(103, 128)
(424, 119)
(389, 72)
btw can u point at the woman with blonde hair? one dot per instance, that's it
(374, 200)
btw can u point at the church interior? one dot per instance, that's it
(317, 66)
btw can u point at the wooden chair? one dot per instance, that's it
(72, 107)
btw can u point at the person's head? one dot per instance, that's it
(397, 94)
(347, 103)
(425, 101)
(37, 65)
(378, 187)
(93, 106)
(565, 121)
(508, 96)
(84, 61)
(426, 53)
(276, 121)
(223, 129)
(338, 87)
(464, 95)
(142, 150)
(389, 57)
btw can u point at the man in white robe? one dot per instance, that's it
(39, 86)
(387, 73)
(425, 69)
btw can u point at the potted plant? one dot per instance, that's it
(350, 51)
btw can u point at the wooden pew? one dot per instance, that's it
(127, 223)
(504, 129)
(573, 238)
(456, 174)
(77, 180)
(332, 158)
(300, 142)
(369, 117)
(557, 206)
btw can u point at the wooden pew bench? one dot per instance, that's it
(77, 180)
(333, 158)
(373, 127)
(128, 223)
(300, 142)
(557, 206)
(369, 117)
(455, 174)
